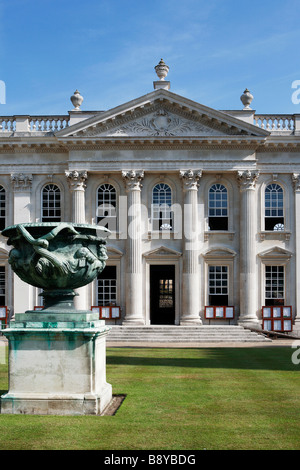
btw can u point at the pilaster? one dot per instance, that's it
(190, 313)
(134, 298)
(21, 185)
(248, 282)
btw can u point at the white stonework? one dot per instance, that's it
(164, 164)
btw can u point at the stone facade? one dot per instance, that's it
(203, 205)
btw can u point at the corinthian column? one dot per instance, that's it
(77, 184)
(134, 282)
(248, 280)
(190, 276)
(296, 181)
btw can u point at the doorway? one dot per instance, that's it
(162, 294)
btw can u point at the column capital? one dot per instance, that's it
(296, 181)
(133, 179)
(77, 179)
(21, 181)
(247, 179)
(190, 179)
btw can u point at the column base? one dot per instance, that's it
(296, 327)
(133, 322)
(187, 321)
(250, 322)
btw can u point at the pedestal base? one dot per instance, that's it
(57, 365)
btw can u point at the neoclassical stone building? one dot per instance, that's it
(203, 205)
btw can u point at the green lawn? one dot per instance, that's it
(179, 399)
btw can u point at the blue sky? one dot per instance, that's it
(108, 49)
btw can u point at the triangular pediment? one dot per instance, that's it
(219, 252)
(276, 252)
(160, 114)
(161, 252)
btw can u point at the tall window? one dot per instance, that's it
(51, 203)
(274, 287)
(2, 286)
(218, 285)
(162, 218)
(217, 207)
(274, 219)
(106, 207)
(2, 208)
(107, 286)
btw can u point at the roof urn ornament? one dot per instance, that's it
(246, 99)
(161, 70)
(76, 100)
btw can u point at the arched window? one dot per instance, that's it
(106, 206)
(274, 219)
(162, 217)
(2, 208)
(217, 207)
(51, 203)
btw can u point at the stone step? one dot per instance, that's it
(180, 334)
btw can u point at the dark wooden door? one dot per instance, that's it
(162, 295)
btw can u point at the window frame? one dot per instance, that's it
(281, 218)
(110, 301)
(43, 208)
(221, 218)
(272, 288)
(112, 219)
(163, 208)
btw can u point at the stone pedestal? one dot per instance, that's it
(57, 365)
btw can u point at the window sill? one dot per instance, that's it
(211, 233)
(275, 235)
(163, 234)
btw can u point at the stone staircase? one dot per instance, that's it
(182, 334)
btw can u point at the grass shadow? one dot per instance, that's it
(210, 358)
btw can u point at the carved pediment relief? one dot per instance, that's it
(160, 123)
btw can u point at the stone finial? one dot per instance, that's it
(161, 70)
(246, 99)
(76, 100)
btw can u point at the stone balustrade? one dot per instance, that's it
(7, 123)
(48, 123)
(45, 124)
(280, 123)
